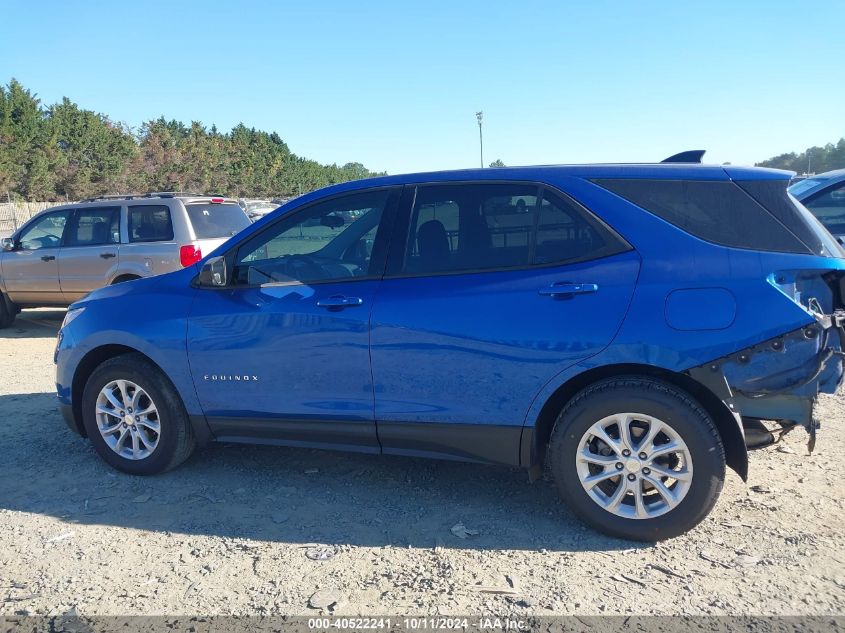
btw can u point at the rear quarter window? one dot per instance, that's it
(716, 211)
(150, 223)
(212, 220)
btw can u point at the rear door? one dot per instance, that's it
(31, 271)
(499, 288)
(89, 257)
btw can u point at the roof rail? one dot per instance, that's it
(117, 196)
(181, 194)
(153, 194)
(690, 156)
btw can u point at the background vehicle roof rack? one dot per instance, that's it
(690, 156)
(153, 194)
(118, 196)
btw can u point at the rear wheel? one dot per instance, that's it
(8, 311)
(135, 417)
(637, 458)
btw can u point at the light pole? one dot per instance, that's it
(480, 116)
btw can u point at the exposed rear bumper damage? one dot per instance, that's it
(780, 379)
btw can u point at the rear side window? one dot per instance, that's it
(94, 226)
(150, 223)
(565, 232)
(773, 195)
(467, 227)
(716, 211)
(216, 220)
(471, 227)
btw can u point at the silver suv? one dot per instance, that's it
(65, 252)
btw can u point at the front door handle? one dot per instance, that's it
(567, 289)
(47, 258)
(107, 255)
(338, 302)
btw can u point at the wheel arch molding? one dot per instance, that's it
(96, 357)
(535, 437)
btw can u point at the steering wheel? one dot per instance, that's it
(303, 267)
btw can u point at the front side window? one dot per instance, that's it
(330, 240)
(466, 227)
(94, 226)
(150, 223)
(45, 232)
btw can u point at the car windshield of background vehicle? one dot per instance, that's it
(805, 185)
(829, 208)
(216, 220)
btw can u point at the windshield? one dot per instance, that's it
(216, 220)
(805, 185)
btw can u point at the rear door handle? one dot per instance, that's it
(107, 255)
(339, 301)
(47, 258)
(567, 289)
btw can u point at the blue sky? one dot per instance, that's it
(395, 85)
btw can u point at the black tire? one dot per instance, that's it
(8, 311)
(650, 397)
(176, 438)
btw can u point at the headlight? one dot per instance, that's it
(72, 313)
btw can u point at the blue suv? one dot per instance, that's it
(631, 325)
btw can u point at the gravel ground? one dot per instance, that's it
(265, 530)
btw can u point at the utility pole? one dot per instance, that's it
(480, 116)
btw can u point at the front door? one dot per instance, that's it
(31, 270)
(89, 257)
(501, 287)
(282, 353)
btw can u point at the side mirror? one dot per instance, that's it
(7, 244)
(213, 273)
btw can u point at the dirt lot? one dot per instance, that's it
(236, 529)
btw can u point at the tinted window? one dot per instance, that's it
(716, 211)
(328, 240)
(773, 195)
(94, 226)
(150, 223)
(488, 226)
(216, 220)
(45, 232)
(829, 207)
(471, 227)
(566, 232)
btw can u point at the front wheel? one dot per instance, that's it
(637, 458)
(135, 417)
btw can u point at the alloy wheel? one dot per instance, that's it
(634, 466)
(128, 420)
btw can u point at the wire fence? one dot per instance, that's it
(14, 213)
